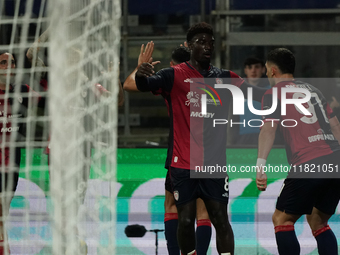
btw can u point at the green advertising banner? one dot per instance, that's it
(140, 200)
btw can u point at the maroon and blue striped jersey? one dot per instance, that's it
(306, 136)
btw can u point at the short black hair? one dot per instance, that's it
(199, 28)
(252, 61)
(180, 54)
(3, 52)
(283, 58)
(6, 51)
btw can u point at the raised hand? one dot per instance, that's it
(145, 56)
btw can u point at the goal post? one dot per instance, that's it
(69, 205)
(83, 53)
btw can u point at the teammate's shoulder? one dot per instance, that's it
(163, 74)
(233, 75)
(180, 66)
(224, 73)
(44, 84)
(269, 90)
(21, 88)
(305, 84)
(295, 84)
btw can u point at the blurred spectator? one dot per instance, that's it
(160, 24)
(254, 70)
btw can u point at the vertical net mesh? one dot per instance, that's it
(83, 57)
(70, 106)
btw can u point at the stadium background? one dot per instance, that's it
(242, 28)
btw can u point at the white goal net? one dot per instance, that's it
(66, 206)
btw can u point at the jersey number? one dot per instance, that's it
(315, 100)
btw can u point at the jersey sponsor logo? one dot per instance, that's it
(212, 101)
(200, 115)
(193, 99)
(322, 137)
(9, 129)
(176, 195)
(188, 80)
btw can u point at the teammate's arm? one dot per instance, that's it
(335, 127)
(144, 57)
(100, 91)
(147, 80)
(34, 49)
(266, 141)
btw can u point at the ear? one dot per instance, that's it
(190, 45)
(273, 70)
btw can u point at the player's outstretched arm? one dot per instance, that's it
(144, 57)
(100, 91)
(32, 52)
(266, 141)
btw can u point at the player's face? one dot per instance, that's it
(6, 62)
(202, 47)
(270, 73)
(254, 71)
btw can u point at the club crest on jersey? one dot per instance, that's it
(188, 80)
(193, 99)
(20, 100)
(176, 195)
(225, 194)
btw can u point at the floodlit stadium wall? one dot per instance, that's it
(140, 200)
